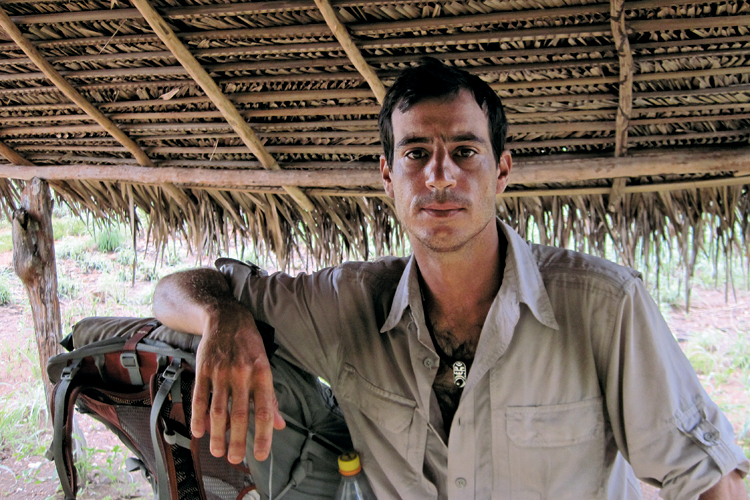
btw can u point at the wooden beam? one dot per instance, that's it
(197, 176)
(525, 171)
(648, 163)
(12, 156)
(66, 88)
(339, 31)
(620, 36)
(212, 90)
(34, 263)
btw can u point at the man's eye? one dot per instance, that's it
(465, 152)
(416, 154)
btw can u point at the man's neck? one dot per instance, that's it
(459, 287)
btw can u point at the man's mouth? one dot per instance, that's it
(442, 210)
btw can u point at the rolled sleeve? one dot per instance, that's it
(664, 423)
(302, 310)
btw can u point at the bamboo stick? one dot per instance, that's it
(233, 117)
(342, 35)
(12, 31)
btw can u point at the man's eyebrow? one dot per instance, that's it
(412, 139)
(467, 137)
(462, 137)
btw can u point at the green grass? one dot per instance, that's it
(109, 239)
(6, 293)
(24, 421)
(62, 227)
(6, 242)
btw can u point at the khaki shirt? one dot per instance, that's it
(575, 375)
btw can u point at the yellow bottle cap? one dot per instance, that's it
(349, 463)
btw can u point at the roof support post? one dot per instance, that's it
(625, 105)
(212, 90)
(66, 88)
(34, 263)
(355, 56)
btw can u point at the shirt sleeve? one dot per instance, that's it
(303, 310)
(664, 423)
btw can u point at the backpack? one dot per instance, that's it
(136, 377)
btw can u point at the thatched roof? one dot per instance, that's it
(653, 92)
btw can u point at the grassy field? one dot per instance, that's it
(95, 272)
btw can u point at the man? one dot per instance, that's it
(482, 367)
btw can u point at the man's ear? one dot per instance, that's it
(504, 167)
(385, 172)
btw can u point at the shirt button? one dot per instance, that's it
(428, 362)
(460, 483)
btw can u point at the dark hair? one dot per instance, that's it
(432, 79)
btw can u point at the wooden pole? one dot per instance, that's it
(355, 56)
(34, 263)
(66, 88)
(525, 171)
(212, 90)
(620, 35)
(12, 156)
(625, 105)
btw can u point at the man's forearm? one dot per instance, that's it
(729, 487)
(185, 300)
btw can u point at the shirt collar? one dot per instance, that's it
(520, 268)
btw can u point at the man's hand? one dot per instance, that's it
(232, 364)
(232, 369)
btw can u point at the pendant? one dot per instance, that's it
(459, 373)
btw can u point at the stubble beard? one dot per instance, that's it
(444, 240)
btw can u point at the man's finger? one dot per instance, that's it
(200, 406)
(266, 409)
(238, 416)
(218, 415)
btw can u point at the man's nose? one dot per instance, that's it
(441, 170)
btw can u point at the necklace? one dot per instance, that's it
(460, 370)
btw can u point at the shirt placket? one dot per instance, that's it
(462, 451)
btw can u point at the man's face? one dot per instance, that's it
(444, 176)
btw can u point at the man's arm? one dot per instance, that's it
(729, 487)
(231, 362)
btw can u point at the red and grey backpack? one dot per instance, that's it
(136, 377)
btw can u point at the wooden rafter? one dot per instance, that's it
(212, 90)
(355, 56)
(620, 36)
(625, 105)
(66, 88)
(12, 155)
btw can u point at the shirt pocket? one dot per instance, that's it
(557, 451)
(392, 415)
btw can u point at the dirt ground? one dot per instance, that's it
(709, 310)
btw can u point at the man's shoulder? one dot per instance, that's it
(383, 270)
(562, 265)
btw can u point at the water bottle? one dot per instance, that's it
(354, 485)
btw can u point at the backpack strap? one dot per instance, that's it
(62, 445)
(129, 358)
(170, 375)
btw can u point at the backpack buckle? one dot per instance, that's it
(171, 372)
(68, 372)
(128, 360)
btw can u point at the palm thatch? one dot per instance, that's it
(645, 87)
